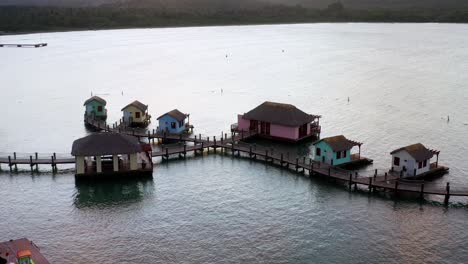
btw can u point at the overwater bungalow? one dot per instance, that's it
(136, 114)
(108, 154)
(95, 108)
(21, 251)
(279, 121)
(415, 161)
(336, 151)
(174, 122)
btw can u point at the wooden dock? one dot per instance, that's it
(385, 181)
(37, 45)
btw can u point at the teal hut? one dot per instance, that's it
(336, 150)
(95, 108)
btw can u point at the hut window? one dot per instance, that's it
(425, 163)
(173, 125)
(420, 165)
(344, 154)
(137, 114)
(318, 152)
(338, 155)
(396, 161)
(99, 108)
(181, 123)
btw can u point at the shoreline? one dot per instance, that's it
(212, 25)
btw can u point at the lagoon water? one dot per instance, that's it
(403, 80)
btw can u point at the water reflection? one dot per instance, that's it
(110, 193)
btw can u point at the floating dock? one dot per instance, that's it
(20, 250)
(37, 45)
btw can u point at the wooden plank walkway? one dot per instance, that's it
(36, 45)
(381, 180)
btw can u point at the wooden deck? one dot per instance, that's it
(37, 45)
(12, 247)
(381, 180)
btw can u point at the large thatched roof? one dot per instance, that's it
(280, 114)
(105, 143)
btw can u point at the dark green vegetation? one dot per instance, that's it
(147, 14)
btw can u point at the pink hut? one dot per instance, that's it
(279, 121)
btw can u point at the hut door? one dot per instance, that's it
(262, 127)
(267, 130)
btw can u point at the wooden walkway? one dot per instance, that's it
(380, 181)
(37, 45)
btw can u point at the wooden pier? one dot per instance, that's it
(37, 45)
(380, 181)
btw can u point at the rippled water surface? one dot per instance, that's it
(403, 80)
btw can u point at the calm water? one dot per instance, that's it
(403, 81)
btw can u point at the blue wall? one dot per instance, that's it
(165, 125)
(328, 154)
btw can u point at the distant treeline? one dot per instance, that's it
(30, 19)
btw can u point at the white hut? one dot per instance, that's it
(413, 160)
(111, 153)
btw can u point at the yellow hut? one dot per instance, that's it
(136, 114)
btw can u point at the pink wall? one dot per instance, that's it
(275, 130)
(243, 124)
(284, 132)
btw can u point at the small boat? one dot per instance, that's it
(21, 251)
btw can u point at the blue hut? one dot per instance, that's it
(173, 122)
(336, 150)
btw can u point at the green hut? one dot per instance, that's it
(96, 108)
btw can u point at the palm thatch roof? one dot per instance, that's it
(418, 151)
(176, 114)
(106, 143)
(97, 99)
(281, 114)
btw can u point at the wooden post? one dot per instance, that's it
(375, 173)
(9, 162)
(214, 140)
(52, 163)
(36, 155)
(386, 174)
(297, 164)
(266, 155)
(281, 162)
(55, 156)
(414, 172)
(350, 183)
(303, 160)
(167, 153)
(396, 187)
(370, 184)
(14, 155)
(225, 136)
(447, 195)
(421, 193)
(250, 151)
(202, 147)
(437, 160)
(185, 150)
(355, 174)
(30, 163)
